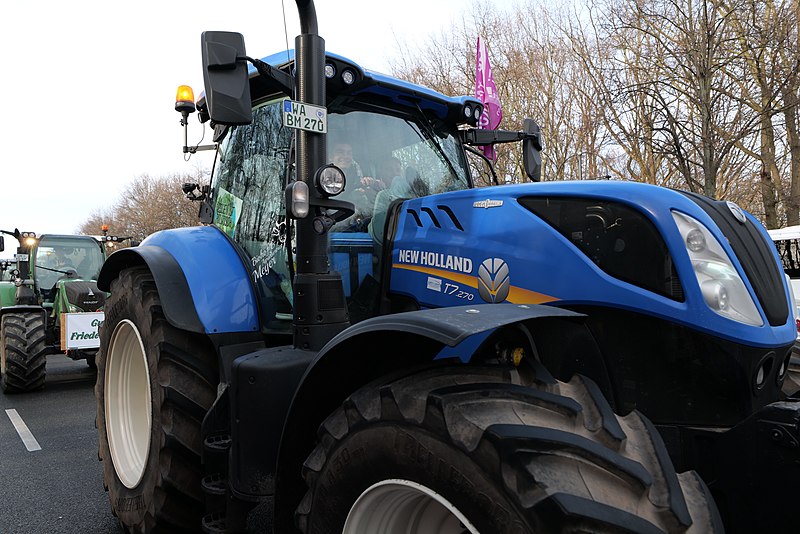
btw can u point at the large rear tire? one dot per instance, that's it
(23, 359)
(487, 449)
(155, 384)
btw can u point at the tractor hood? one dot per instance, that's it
(626, 245)
(79, 296)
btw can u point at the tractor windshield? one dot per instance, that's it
(56, 257)
(384, 157)
(6, 267)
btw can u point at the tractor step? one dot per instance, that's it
(214, 487)
(219, 443)
(214, 484)
(214, 523)
(215, 453)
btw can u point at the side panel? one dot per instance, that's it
(203, 283)
(7, 292)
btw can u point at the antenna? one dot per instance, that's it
(285, 30)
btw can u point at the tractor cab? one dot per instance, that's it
(385, 155)
(64, 269)
(6, 267)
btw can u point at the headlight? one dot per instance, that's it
(721, 286)
(330, 180)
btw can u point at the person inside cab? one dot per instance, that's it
(398, 184)
(342, 157)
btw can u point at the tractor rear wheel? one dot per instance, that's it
(486, 449)
(155, 384)
(23, 359)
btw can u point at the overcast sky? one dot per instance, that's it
(87, 89)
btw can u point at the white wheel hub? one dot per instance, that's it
(404, 507)
(128, 403)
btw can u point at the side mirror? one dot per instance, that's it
(532, 150)
(2, 244)
(225, 77)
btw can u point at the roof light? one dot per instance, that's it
(470, 113)
(348, 77)
(184, 100)
(330, 70)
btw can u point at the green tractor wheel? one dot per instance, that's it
(24, 356)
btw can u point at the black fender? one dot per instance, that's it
(379, 347)
(176, 297)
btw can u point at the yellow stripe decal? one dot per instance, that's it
(516, 295)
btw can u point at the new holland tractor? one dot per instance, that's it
(49, 305)
(422, 356)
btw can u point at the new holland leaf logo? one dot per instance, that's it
(493, 280)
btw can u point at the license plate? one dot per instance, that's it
(305, 116)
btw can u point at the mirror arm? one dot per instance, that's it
(480, 137)
(282, 81)
(198, 148)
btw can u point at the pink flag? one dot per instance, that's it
(486, 92)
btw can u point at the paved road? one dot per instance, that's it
(58, 488)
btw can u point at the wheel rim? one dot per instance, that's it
(401, 506)
(128, 403)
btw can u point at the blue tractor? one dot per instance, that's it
(363, 341)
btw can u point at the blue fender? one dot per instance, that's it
(422, 336)
(388, 344)
(200, 277)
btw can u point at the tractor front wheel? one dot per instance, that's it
(487, 449)
(155, 384)
(23, 354)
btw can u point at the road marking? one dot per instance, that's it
(22, 429)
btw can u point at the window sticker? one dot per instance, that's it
(227, 210)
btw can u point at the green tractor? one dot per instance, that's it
(49, 304)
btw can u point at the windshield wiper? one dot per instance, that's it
(56, 270)
(431, 136)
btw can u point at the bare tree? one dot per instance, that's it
(148, 205)
(787, 23)
(761, 37)
(536, 76)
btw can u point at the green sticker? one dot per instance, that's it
(227, 210)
